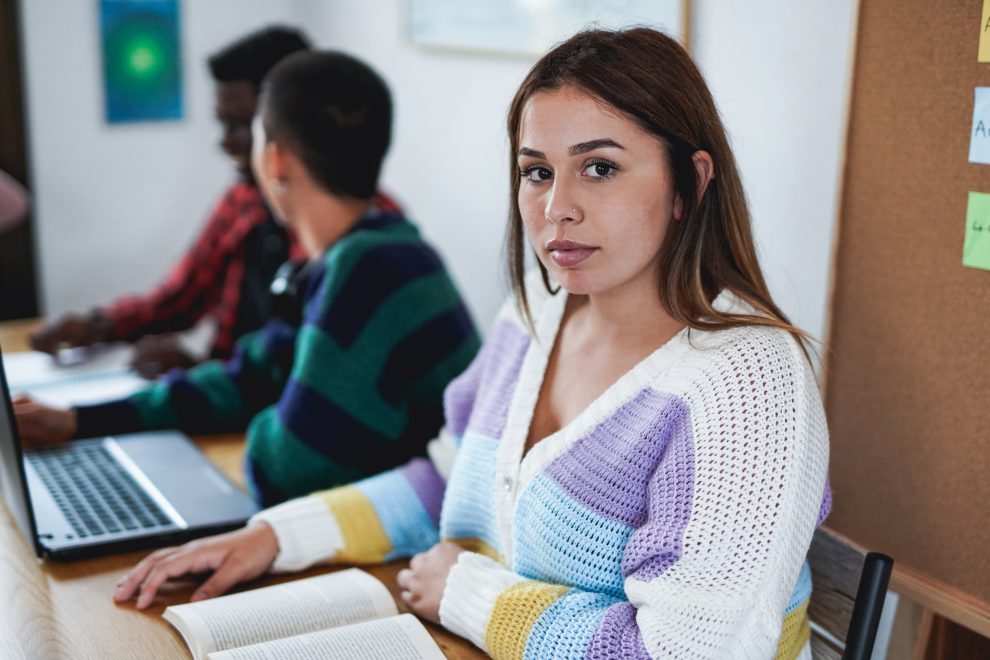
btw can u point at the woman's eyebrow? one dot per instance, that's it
(579, 148)
(591, 145)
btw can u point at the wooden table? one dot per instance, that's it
(51, 610)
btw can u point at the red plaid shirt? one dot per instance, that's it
(208, 279)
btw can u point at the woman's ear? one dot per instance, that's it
(704, 168)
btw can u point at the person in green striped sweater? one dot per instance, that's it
(350, 381)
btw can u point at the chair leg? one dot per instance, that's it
(868, 606)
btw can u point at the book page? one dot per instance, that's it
(284, 610)
(396, 638)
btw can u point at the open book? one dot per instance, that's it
(348, 614)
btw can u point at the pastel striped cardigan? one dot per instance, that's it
(670, 519)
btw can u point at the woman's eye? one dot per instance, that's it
(600, 170)
(537, 174)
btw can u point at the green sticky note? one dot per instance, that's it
(976, 248)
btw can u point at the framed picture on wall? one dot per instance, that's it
(529, 28)
(142, 63)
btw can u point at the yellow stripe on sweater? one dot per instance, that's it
(795, 634)
(365, 540)
(516, 610)
(474, 544)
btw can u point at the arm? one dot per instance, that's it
(390, 515)
(213, 397)
(383, 516)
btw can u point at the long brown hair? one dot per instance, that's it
(650, 78)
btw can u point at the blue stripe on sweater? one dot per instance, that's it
(322, 424)
(401, 514)
(471, 485)
(421, 351)
(380, 271)
(558, 540)
(565, 628)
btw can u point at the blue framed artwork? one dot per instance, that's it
(142, 60)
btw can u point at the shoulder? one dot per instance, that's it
(750, 361)
(383, 261)
(384, 241)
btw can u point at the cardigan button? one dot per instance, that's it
(507, 483)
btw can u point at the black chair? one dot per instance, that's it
(850, 586)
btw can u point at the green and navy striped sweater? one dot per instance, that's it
(355, 389)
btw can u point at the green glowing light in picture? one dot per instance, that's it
(143, 60)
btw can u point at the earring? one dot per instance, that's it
(281, 186)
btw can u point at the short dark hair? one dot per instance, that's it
(251, 57)
(335, 113)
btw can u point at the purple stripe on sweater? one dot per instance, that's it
(617, 636)
(826, 502)
(637, 467)
(427, 484)
(481, 395)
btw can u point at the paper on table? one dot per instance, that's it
(976, 248)
(103, 376)
(396, 638)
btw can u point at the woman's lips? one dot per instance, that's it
(567, 254)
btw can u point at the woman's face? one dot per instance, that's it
(261, 167)
(596, 193)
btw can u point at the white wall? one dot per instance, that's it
(117, 205)
(779, 72)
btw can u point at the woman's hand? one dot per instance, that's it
(233, 557)
(38, 424)
(423, 582)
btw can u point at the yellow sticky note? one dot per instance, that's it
(984, 54)
(976, 247)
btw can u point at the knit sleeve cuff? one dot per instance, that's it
(307, 533)
(107, 418)
(473, 585)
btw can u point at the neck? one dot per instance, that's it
(632, 314)
(319, 219)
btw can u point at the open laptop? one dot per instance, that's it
(114, 494)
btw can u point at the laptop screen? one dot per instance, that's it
(13, 483)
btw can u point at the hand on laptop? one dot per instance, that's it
(38, 424)
(233, 557)
(72, 330)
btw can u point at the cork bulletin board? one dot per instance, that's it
(907, 382)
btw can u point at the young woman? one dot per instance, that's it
(635, 463)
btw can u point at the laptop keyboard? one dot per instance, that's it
(96, 494)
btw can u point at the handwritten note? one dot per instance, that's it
(984, 53)
(976, 248)
(979, 135)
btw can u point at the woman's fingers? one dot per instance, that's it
(130, 582)
(177, 565)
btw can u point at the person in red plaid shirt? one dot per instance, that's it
(227, 271)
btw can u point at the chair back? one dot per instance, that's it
(850, 586)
